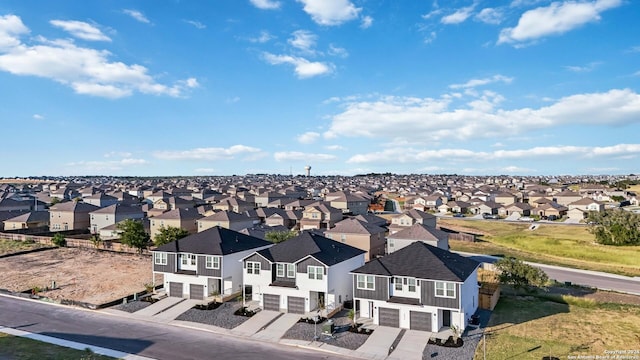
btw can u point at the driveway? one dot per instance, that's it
(277, 329)
(255, 323)
(411, 345)
(378, 344)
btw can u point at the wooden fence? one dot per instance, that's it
(489, 296)
(462, 237)
(74, 243)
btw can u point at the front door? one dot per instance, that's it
(371, 309)
(446, 318)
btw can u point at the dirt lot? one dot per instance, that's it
(91, 276)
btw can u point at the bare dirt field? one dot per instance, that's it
(90, 276)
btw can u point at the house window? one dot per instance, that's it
(184, 259)
(391, 243)
(160, 258)
(365, 282)
(343, 237)
(327, 235)
(280, 270)
(291, 271)
(412, 284)
(445, 289)
(314, 215)
(213, 262)
(398, 283)
(253, 268)
(315, 272)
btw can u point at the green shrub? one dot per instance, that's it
(59, 240)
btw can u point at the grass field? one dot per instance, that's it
(562, 245)
(10, 246)
(18, 348)
(529, 327)
(634, 188)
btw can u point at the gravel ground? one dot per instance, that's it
(342, 337)
(465, 352)
(132, 306)
(222, 316)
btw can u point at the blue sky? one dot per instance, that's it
(522, 87)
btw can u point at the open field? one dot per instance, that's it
(10, 246)
(562, 245)
(90, 276)
(634, 188)
(529, 327)
(19, 348)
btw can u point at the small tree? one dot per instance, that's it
(133, 234)
(169, 234)
(95, 240)
(59, 240)
(280, 236)
(512, 271)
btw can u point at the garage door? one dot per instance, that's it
(271, 302)
(420, 321)
(196, 292)
(389, 317)
(175, 289)
(295, 305)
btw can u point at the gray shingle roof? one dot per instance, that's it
(421, 261)
(214, 241)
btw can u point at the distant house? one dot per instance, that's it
(306, 273)
(9, 204)
(113, 214)
(361, 235)
(181, 218)
(417, 232)
(504, 198)
(100, 200)
(587, 204)
(410, 217)
(70, 215)
(567, 197)
(419, 287)
(233, 204)
(30, 220)
(349, 203)
(206, 263)
(523, 209)
(321, 216)
(226, 219)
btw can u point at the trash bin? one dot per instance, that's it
(328, 327)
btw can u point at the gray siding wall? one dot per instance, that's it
(381, 291)
(282, 278)
(202, 270)
(302, 266)
(429, 297)
(169, 268)
(264, 264)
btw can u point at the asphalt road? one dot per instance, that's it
(599, 280)
(143, 338)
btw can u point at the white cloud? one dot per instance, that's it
(262, 38)
(118, 154)
(366, 22)
(300, 156)
(459, 16)
(302, 67)
(338, 51)
(490, 16)
(430, 38)
(87, 167)
(211, 153)
(266, 4)
(480, 82)
(136, 15)
(555, 19)
(304, 41)
(196, 24)
(330, 12)
(207, 171)
(410, 155)
(586, 68)
(38, 117)
(308, 138)
(512, 169)
(86, 70)
(432, 13)
(479, 116)
(81, 30)
(335, 147)
(232, 100)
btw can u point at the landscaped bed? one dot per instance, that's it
(223, 316)
(83, 275)
(342, 336)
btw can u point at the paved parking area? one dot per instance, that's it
(411, 345)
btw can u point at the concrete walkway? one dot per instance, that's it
(411, 345)
(279, 327)
(175, 311)
(378, 344)
(73, 345)
(255, 323)
(158, 307)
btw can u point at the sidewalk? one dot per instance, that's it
(72, 344)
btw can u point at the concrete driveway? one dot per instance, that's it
(378, 344)
(256, 322)
(278, 328)
(411, 345)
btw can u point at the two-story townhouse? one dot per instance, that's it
(110, 215)
(306, 273)
(180, 218)
(419, 287)
(226, 219)
(233, 204)
(417, 232)
(205, 264)
(350, 204)
(321, 216)
(30, 220)
(410, 217)
(70, 215)
(362, 235)
(100, 200)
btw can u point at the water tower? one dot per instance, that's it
(307, 170)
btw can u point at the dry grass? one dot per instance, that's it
(634, 188)
(10, 246)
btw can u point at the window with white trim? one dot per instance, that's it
(280, 270)
(411, 282)
(160, 258)
(445, 289)
(315, 272)
(397, 282)
(253, 267)
(365, 282)
(212, 262)
(291, 271)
